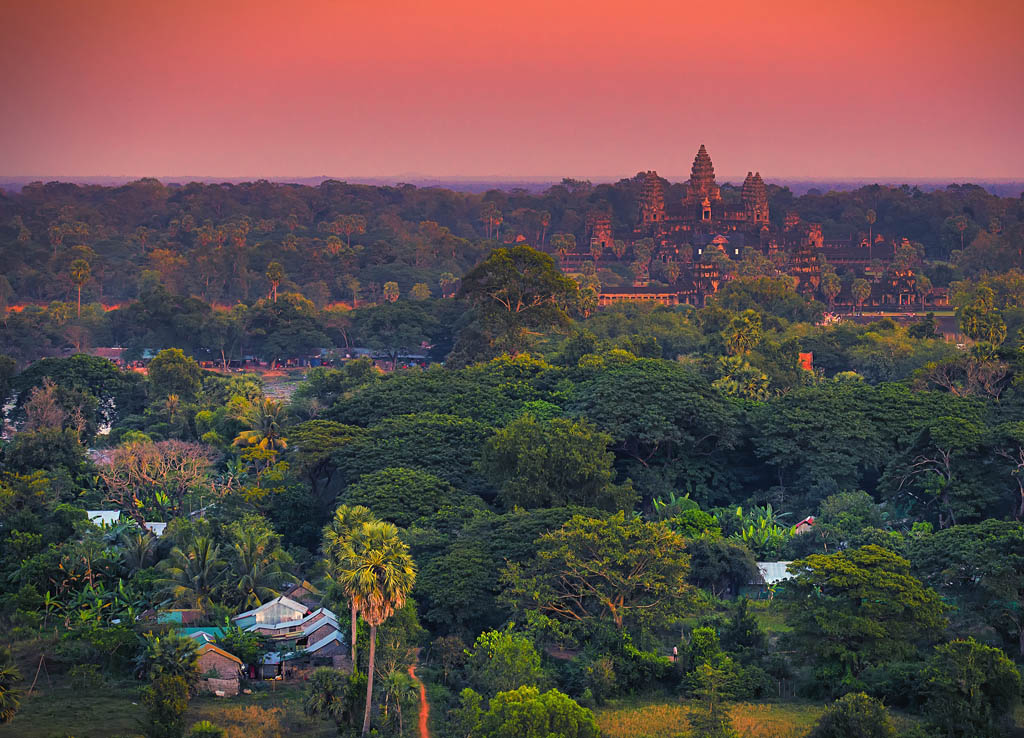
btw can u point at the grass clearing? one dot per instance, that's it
(753, 719)
(114, 709)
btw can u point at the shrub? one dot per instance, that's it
(206, 729)
(166, 701)
(84, 676)
(854, 715)
(971, 689)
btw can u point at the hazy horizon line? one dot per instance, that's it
(515, 177)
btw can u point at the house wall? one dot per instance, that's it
(276, 613)
(322, 632)
(228, 686)
(211, 660)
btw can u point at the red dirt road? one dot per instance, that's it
(424, 705)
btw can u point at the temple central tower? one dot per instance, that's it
(702, 180)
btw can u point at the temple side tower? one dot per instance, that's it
(755, 198)
(652, 199)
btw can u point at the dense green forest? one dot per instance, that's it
(225, 271)
(557, 522)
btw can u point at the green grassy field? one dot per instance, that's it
(109, 710)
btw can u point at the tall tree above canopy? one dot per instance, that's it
(517, 292)
(378, 571)
(629, 572)
(395, 328)
(553, 463)
(980, 567)
(859, 608)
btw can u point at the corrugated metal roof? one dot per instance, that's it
(774, 571)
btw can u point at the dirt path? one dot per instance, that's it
(424, 705)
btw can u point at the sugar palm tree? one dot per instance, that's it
(265, 418)
(81, 272)
(337, 537)
(398, 688)
(377, 568)
(192, 575)
(275, 275)
(10, 697)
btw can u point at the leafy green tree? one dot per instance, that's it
(118, 394)
(334, 695)
(972, 690)
(712, 720)
(395, 328)
(934, 471)
(517, 293)
(464, 720)
(854, 715)
(166, 701)
(420, 292)
(168, 655)
(844, 519)
(553, 463)
(401, 495)
(173, 373)
(10, 695)
(379, 572)
(859, 608)
(444, 445)
(718, 565)
(246, 645)
(526, 713)
(391, 292)
(289, 327)
(446, 281)
(502, 660)
(628, 572)
(981, 568)
(662, 415)
(399, 689)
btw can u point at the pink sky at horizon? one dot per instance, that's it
(794, 89)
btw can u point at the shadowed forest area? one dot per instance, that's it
(750, 516)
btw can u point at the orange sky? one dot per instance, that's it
(798, 88)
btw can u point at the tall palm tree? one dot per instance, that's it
(337, 538)
(10, 697)
(80, 274)
(275, 275)
(136, 549)
(265, 418)
(380, 573)
(257, 566)
(871, 217)
(398, 687)
(192, 575)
